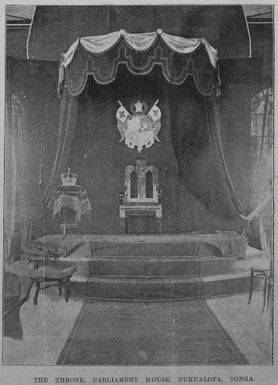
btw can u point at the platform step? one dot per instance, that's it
(225, 243)
(138, 269)
(160, 268)
(160, 288)
(153, 266)
(129, 249)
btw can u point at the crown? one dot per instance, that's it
(138, 107)
(68, 178)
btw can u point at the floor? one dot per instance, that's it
(246, 324)
(46, 328)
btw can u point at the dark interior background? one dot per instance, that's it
(194, 203)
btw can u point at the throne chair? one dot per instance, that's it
(141, 195)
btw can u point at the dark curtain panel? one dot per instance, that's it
(214, 127)
(32, 112)
(196, 138)
(12, 326)
(85, 138)
(67, 125)
(12, 284)
(31, 133)
(11, 241)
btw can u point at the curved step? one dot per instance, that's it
(153, 266)
(161, 288)
(185, 248)
(226, 243)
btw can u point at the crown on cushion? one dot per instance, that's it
(68, 178)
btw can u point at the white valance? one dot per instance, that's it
(104, 67)
(139, 42)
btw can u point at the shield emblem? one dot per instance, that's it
(140, 129)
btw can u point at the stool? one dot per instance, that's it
(39, 272)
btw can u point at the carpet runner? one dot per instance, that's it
(142, 333)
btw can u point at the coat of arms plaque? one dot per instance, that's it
(140, 128)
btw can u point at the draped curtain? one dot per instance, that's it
(178, 58)
(139, 42)
(214, 128)
(196, 138)
(67, 125)
(100, 56)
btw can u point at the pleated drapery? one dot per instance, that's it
(196, 138)
(139, 42)
(100, 56)
(214, 128)
(67, 125)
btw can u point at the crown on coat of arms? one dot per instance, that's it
(138, 107)
(68, 178)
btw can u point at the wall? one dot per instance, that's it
(16, 40)
(262, 46)
(56, 27)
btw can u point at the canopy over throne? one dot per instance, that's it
(141, 195)
(105, 57)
